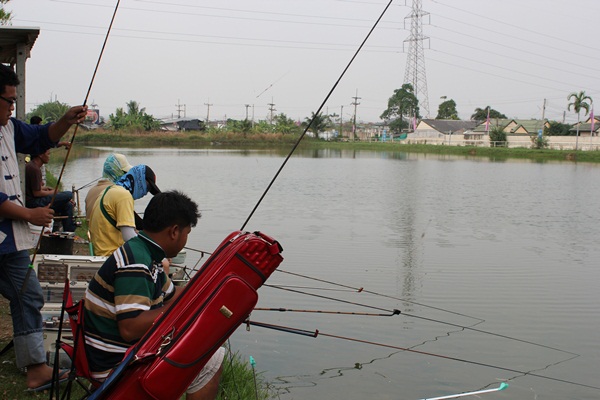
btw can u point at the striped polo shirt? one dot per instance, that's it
(129, 282)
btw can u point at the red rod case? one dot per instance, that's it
(217, 299)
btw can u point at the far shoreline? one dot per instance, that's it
(287, 141)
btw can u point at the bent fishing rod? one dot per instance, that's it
(37, 247)
(316, 333)
(316, 114)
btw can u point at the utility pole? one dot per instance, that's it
(179, 109)
(271, 110)
(247, 106)
(355, 104)
(341, 121)
(541, 131)
(207, 110)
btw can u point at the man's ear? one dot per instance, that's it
(173, 231)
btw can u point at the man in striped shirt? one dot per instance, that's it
(131, 290)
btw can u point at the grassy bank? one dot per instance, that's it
(278, 140)
(239, 381)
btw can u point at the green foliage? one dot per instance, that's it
(285, 125)
(239, 379)
(319, 123)
(135, 119)
(557, 129)
(403, 104)
(497, 137)
(5, 16)
(50, 111)
(447, 110)
(481, 114)
(539, 142)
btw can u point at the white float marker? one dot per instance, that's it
(455, 396)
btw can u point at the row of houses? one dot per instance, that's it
(518, 131)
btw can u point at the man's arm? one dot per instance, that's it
(134, 328)
(39, 216)
(74, 115)
(45, 191)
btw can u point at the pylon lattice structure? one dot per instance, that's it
(415, 73)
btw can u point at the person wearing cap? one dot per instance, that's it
(37, 194)
(112, 220)
(26, 300)
(115, 166)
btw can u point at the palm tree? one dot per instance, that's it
(579, 102)
(319, 123)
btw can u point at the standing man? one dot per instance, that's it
(15, 236)
(131, 290)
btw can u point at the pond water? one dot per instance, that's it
(493, 265)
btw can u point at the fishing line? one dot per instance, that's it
(37, 247)
(76, 128)
(317, 333)
(430, 320)
(362, 290)
(318, 288)
(88, 184)
(315, 115)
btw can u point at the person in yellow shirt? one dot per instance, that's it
(115, 166)
(112, 220)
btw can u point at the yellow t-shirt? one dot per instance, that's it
(93, 194)
(118, 203)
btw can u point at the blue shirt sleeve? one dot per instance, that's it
(31, 139)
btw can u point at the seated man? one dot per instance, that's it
(112, 221)
(131, 290)
(115, 166)
(39, 195)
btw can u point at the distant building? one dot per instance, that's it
(439, 128)
(177, 125)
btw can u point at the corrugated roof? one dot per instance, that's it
(11, 37)
(450, 125)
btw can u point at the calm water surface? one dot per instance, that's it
(487, 261)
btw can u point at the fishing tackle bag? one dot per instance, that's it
(218, 298)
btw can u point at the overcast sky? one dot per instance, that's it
(509, 54)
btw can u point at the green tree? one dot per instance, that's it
(135, 118)
(556, 128)
(319, 123)
(5, 16)
(447, 110)
(50, 111)
(403, 104)
(481, 114)
(285, 125)
(580, 101)
(498, 137)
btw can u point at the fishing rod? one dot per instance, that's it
(470, 328)
(363, 290)
(390, 314)
(317, 333)
(315, 115)
(37, 247)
